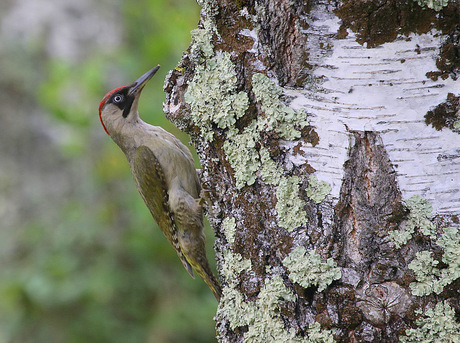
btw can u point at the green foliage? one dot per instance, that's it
(96, 268)
(86, 281)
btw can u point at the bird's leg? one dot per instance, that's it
(205, 194)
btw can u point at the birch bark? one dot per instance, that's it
(328, 137)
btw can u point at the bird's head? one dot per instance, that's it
(119, 106)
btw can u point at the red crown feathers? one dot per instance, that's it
(103, 101)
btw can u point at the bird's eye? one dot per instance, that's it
(118, 98)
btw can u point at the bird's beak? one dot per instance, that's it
(139, 84)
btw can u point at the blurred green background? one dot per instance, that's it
(81, 258)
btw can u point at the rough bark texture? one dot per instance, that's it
(320, 226)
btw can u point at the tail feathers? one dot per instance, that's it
(203, 269)
(176, 245)
(212, 283)
(184, 261)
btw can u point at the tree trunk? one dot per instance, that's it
(328, 137)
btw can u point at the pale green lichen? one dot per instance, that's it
(242, 154)
(424, 267)
(400, 237)
(437, 5)
(272, 293)
(232, 303)
(289, 206)
(318, 335)
(450, 242)
(213, 97)
(420, 214)
(266, 324)
(233, 306)
(436, 325)
(233, 265)
(229, 228)
(430, 278)
(317, 190)
(263, 318)
(241, 147)
(307, 269)
(215, 101)
(202, 47)
(419, 217)
(457, 125)
(269, 172)
(210, 9)
(266, 329)
(212, 94)
(277, 116)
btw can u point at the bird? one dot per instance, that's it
(164, 174)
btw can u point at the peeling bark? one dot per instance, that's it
(347, 219)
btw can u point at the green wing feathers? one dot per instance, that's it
(177, 213)
(152, 186)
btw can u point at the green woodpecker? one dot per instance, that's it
(164, 174)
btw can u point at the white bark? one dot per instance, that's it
(384, 90)
(297, 265)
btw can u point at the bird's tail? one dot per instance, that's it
(207, 275)
(199, 262)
